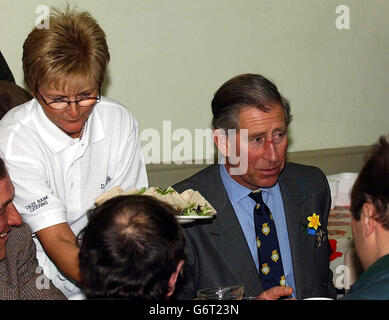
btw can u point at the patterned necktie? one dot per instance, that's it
(271, 271)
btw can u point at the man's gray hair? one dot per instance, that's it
(246, 90)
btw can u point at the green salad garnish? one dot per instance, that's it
(195, 210)
(164, 192)
(142, 190)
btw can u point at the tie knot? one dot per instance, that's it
(256, 196)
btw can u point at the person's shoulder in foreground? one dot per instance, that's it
(373, 283)
(21, 276)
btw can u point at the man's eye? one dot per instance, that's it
(279, 137)
(257, 140)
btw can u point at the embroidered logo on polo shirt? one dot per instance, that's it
(38, 203)
(108, 180)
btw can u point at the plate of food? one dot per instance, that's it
(190, 204)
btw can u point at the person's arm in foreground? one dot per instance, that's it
(59, 243)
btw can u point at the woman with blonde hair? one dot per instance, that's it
(69, 144)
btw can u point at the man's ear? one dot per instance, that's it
(368, 222)
(221, 141)
(173, 278)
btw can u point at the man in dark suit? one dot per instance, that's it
(227, 250)
(21, 277)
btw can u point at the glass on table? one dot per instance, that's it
(221, 293)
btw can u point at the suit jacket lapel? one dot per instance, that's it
(227, 235)
(293, 196)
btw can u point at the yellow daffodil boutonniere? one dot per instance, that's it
(313, 225)
(314, 228)
(314, 221)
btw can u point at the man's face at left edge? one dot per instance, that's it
(9, 216)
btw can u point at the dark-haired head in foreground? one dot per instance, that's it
(132, 248)
(370, 225)
(370, 200)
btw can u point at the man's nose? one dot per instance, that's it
(14, 217)
(270, 151)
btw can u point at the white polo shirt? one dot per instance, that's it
(57, 178)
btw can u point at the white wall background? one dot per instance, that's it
(168, 57)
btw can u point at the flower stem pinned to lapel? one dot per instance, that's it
(314, 228)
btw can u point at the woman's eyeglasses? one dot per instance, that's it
(61, 104)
